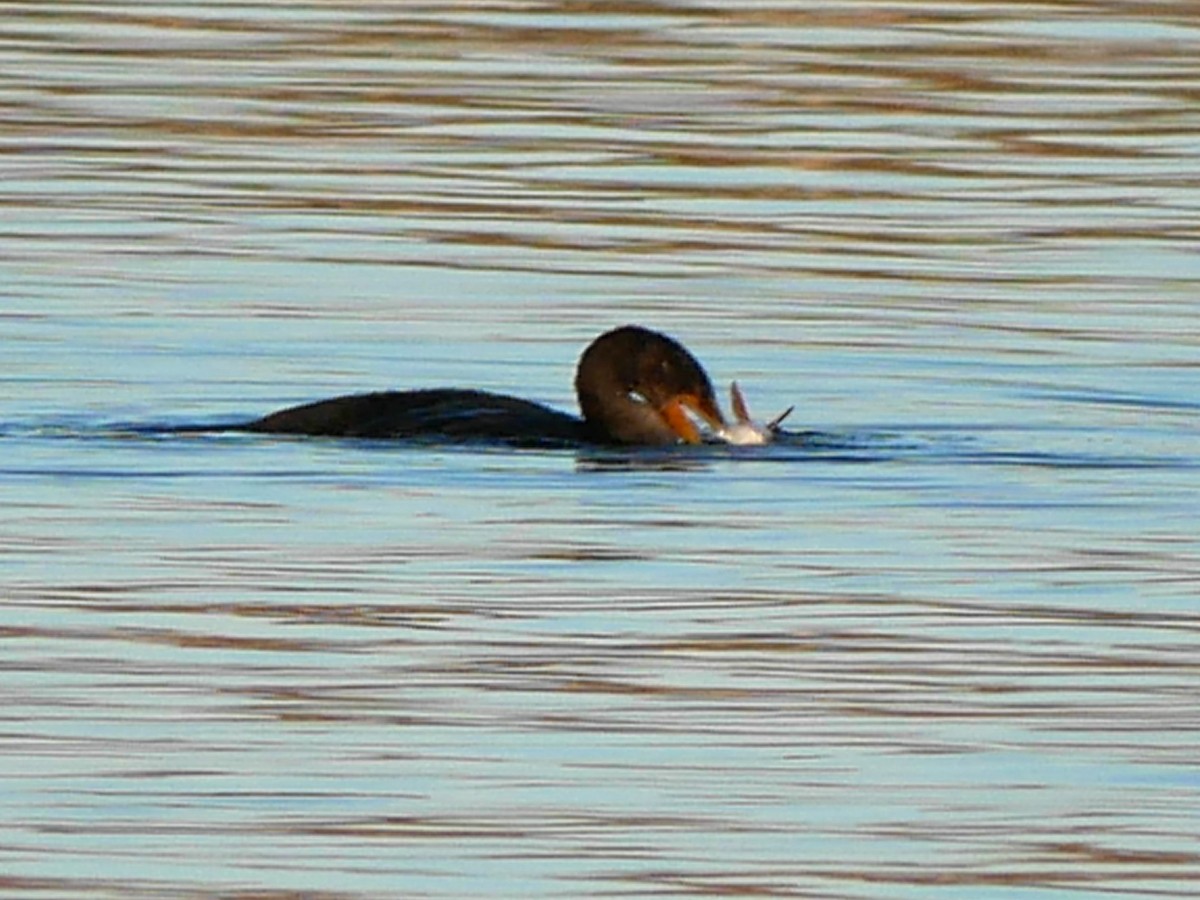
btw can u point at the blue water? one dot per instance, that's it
(944, 641)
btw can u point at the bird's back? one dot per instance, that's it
(440, 413)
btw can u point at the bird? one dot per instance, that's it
(635, 387)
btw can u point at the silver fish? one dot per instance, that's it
(746, 431)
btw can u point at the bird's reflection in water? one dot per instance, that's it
(674, 459)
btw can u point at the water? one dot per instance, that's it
(947, 646)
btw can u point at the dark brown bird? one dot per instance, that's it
(635, 386)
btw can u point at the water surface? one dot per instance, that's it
(946, 647)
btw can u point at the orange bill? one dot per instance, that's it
(677, 419)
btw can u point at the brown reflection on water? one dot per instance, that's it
(752, 707)
(346, 681)
(763, 139)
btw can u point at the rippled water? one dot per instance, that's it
(949, 645)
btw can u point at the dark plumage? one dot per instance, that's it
(633, 386)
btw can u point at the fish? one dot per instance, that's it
(747, 432)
